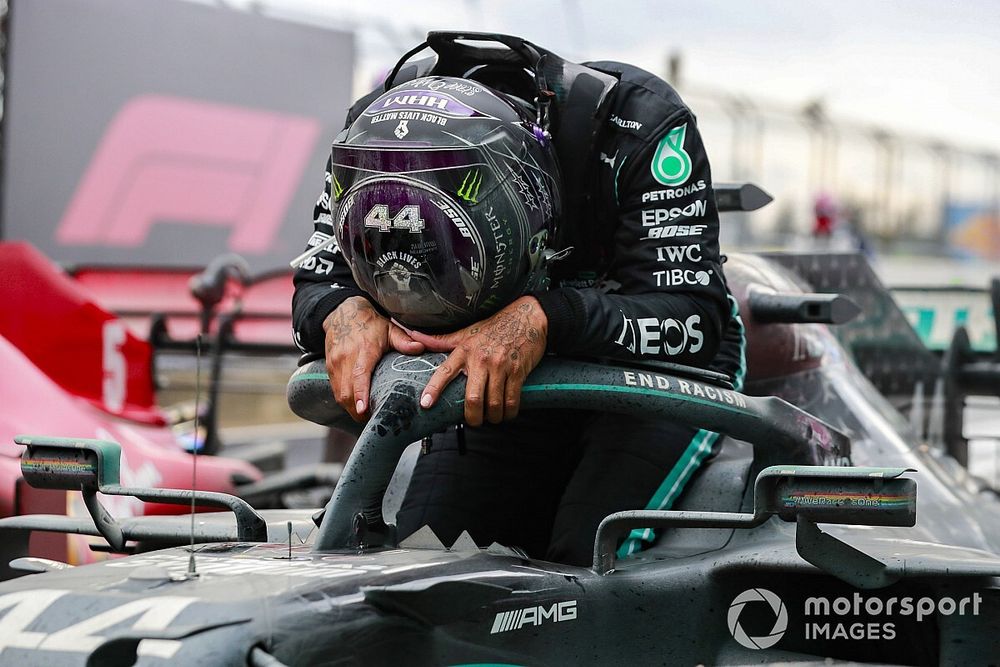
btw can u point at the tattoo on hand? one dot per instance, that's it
(349, 318)
(508, 330)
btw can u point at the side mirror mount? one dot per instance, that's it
(76, 464)
(92, 466)
(806, 495)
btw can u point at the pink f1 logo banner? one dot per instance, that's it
(178, 160)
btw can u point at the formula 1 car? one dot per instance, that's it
(805, 540)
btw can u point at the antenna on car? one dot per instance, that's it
(191, 571)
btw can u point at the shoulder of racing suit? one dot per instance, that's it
(647, 238)
(644, 98)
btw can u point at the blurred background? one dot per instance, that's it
(878, 115)
(883, 111)
(164, 133)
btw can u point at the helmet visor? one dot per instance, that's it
(465, 175)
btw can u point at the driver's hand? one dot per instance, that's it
(357, 336)
(496, 354)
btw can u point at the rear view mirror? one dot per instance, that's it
(863, 496)
(93, 466)
(71, 464)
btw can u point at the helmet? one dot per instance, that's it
(445, 194)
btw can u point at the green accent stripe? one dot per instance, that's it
(311, 376)
(618, 171)
(741, 372)
(695, 453)
(666, 495)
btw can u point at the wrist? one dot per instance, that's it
(565, 314)
(351, 309)
(536, 315)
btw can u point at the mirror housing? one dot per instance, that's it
(822, 494)
(70, 464)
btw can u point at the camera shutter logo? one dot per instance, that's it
(780, 618)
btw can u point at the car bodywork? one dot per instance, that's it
(338, 588)
(930, 385)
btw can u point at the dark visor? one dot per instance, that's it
(467, 175)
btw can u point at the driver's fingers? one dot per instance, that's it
(361, 376)
(444, 374)
(440, 342)
(475, 387)
(495, 396)
(400, 341)
(340, 380)
(512, 396)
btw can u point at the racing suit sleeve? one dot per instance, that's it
(672, 301)
(322, 282)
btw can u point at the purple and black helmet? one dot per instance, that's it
(445, 195)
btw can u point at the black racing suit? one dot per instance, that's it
(644, 281)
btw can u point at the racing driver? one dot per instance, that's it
(497, 204)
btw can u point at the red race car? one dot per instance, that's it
(71, 368)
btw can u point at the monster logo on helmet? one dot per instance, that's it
(442, 227)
